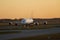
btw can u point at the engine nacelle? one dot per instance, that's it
(45, 22)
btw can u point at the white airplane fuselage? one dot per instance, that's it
(27, 21)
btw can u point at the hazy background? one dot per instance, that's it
(24, 8)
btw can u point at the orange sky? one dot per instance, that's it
(24, 8)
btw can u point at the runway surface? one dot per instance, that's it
(28, 33)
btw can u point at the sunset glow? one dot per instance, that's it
(25, 8)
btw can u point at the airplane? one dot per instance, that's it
(27, 22)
